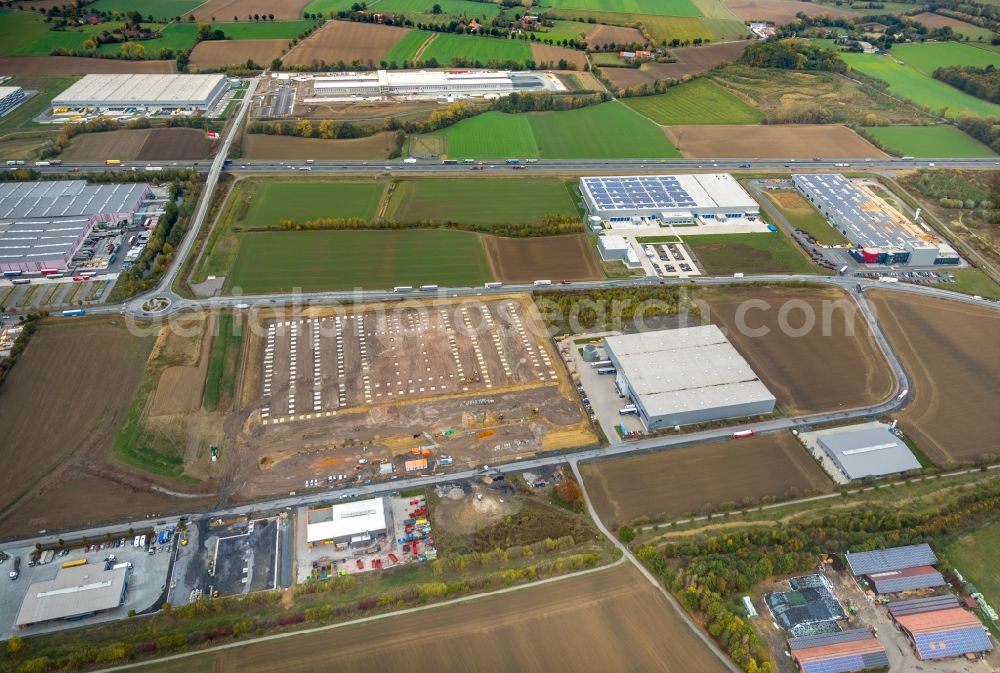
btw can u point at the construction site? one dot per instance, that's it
(330, 399)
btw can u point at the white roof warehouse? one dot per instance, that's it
(354, 521)
(74, 592)
(147, 91)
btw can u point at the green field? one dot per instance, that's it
(175, 37)
(662, 7)
(342, 260)
(723, 254)
(304, 201)
(223, 364)
(405, 49)
(562, 30)
(609, 130)
(971, 281)
(808, 220)
(449, 8)
(974, 555)
(701, 101)
(929, 141)
(482, 202)
(929, 56)
(264, 30)
(660, 27)
(18, 30)
(43, 44)
(484, 50)
(907, 81)
(158, 9)
(47, 86)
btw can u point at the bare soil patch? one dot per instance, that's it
(949, 349)
(75, 65)
(378, 146)
(602, 34)
(288, 10)
(690, 61)
(180, 387)
(124, 145)
(220, 53)
(789, 200)
(932, 20)
(547, 54)
(552, 257)
(782, 11)
(346, 41)
(585, 624)
(773, 142)
(672, 483)
(63, 403)
(176, 144)
(832, 364)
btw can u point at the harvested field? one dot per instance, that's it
(124, 145)
(584, 624)
(50, 400)
(832, 364)
(220, 53)
(771, 142)
(378, 146)
(346, 41)
(180, 386)
(553, 257)
(673, 483)
(601, 35)
(73, 65)
(949, 350)
(176, 144)
(782, 11)
(547, 55)
(932, 20)
(690, 61)
(283, 11)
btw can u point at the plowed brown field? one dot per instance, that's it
(287, 10)
(782, 11)
(773, 142)
(950, 351)
(690, 61)
(140, 144)
(612, 620)
(669, 484)
(176, 144)
(73, 65)
(220, 53)
(552, 257)
(67, 395)
(545, 53)
(834, 364)
(378, 146)
(346, 41)
(601, 35)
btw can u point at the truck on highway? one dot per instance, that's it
(450, 162)
(12, 274)
(739, 434)
(492, 286)
(428, 288)
(542, 282)
(74, 312)
(403, 288)
(512, 162)
(43, 163)
(112, 162)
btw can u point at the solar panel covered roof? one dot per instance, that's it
(667, 192)
(915, 606)
(851, 635)
(846, 663)
(908, 579)
(894, 558)
(941, 644)
(852, 650)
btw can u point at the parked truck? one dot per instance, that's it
(17, 568)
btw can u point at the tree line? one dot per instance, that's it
(982, 83)
(792, 54)
(30, 326)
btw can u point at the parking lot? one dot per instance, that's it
(146, 584)
(671, 260)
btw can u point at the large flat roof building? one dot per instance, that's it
(75, 592)
(10, 98)
(42, 224)
(645, 200)
(116, 92)
(879, 235)
(873, 452)
(357, 523)
(939, 628)
(429, 83)
(684, 376)
(841, 652)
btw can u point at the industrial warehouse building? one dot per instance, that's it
(428, 83)
(143, 92)
(618, 248)
(879, 236)
(897, 568)
(357, 523)
(938, 627)
(10, 98)
(684, 376)
(840, 652)
(75, 592)
(872, 452)
(42, 224)
(659, 200)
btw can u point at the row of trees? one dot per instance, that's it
(550, 225)
(30, 325)
(980, 82)
(326, 129)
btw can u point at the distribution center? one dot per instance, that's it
(684, 376)
(873, 452)
(429, 83)
(148, 92)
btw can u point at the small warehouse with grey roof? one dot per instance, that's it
(685, 376)
(872, 452)
(148, 92)
(75, 592)
(42, 224)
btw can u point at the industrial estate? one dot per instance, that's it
(570, 335)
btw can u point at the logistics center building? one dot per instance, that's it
(427, 83)
(659, 200)
(42, 224)
(74, 593)
(879, 235)
(148, 92)
(357, 523)
(684, 376)
(863, 453)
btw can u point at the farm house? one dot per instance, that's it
(684, 376)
